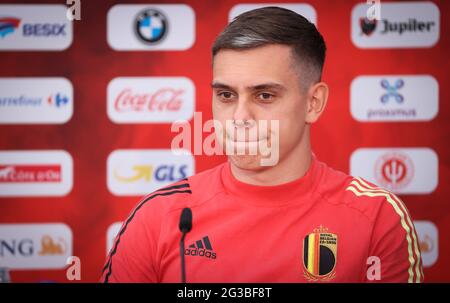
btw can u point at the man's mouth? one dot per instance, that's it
(246, 141)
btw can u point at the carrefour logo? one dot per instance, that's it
(58, 100)
(139, 172)
(35, 100)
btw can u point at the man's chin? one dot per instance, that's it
(247, 162)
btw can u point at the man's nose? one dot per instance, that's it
(242, 111)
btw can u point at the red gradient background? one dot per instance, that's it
(90, 136)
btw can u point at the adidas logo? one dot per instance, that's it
(201, 248)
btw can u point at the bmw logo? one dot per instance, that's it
(151, 26)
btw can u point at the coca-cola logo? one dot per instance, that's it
(164, 99)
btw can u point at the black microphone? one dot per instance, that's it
(185, 227)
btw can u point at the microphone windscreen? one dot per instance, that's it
(186, 220)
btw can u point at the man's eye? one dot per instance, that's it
(225, 95)
(266, 96)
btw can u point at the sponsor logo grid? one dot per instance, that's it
(391, 98)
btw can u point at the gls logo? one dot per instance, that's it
(139, 172)
(162, 173)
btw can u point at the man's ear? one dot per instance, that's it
(316, 101)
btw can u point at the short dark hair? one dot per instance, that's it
(276, 25)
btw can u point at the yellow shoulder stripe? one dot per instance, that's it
(401, 210)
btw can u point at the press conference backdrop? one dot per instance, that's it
(86, 108)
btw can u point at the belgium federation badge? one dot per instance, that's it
(320, 255)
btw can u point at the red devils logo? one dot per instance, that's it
(367, 26)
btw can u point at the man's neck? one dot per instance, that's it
(292, 167)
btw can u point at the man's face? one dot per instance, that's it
(257, 84)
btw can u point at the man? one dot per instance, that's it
(296, 220)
